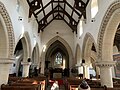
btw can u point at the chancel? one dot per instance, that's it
(68, 41)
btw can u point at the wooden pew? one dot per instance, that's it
(38, 80)
(7, 87)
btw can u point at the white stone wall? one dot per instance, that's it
(24, 25)
(93, 27)
(64, 31)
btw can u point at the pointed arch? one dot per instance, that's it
(87, 46)
(48, 45)
(78, 54)
(35, 55)
(25, 39)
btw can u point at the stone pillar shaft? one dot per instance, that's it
(80, 70)
(42, 67)
(26, 66)
(106, 76)
(106, 73)
(86, 72)
(4, 70)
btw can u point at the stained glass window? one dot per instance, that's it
(58, 58)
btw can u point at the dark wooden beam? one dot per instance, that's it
(81, 6)
(64, 7)
(52, 6)
(87, 3)
(33, 6)
(44, 26)
(73, 9)
(58, 9)
(74, 28)
(43, 8)
(70, 18)
(51, 12)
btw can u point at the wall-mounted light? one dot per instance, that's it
(20, 18)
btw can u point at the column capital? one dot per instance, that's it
(6, 60)
(105, 63)
(26, 63)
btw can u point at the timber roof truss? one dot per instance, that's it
(45, 11)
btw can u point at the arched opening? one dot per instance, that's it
(57, 59)
(34, 67)
(106, 41)
(21, 54)
(78, 61)
(17, 67)
(45, 49)
(89, 55)
(7, 42)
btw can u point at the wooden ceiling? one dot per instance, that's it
(45, 11)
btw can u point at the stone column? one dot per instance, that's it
(97, 72)
(5, 64)
(86, 72)
(26, 66)
(80, 70)
(42, 67)
(106, 73)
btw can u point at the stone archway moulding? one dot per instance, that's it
(87, 45)
(112, 8)
(52, 41)
(26, 45)
(9, 28)
(35, 51)
(78, 54)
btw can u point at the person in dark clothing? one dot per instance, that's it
(84, 86)
(35, 71)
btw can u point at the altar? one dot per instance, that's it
(57, 75)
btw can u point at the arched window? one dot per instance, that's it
(58, 58)
(94, 8)
(80, 28)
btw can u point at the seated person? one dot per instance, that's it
(84, 86)
(55, 86)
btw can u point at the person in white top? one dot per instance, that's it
(55, 86)
(84, 86)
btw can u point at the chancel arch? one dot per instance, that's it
(66, 45)
(57, 50)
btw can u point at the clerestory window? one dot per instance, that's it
(94, 8)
